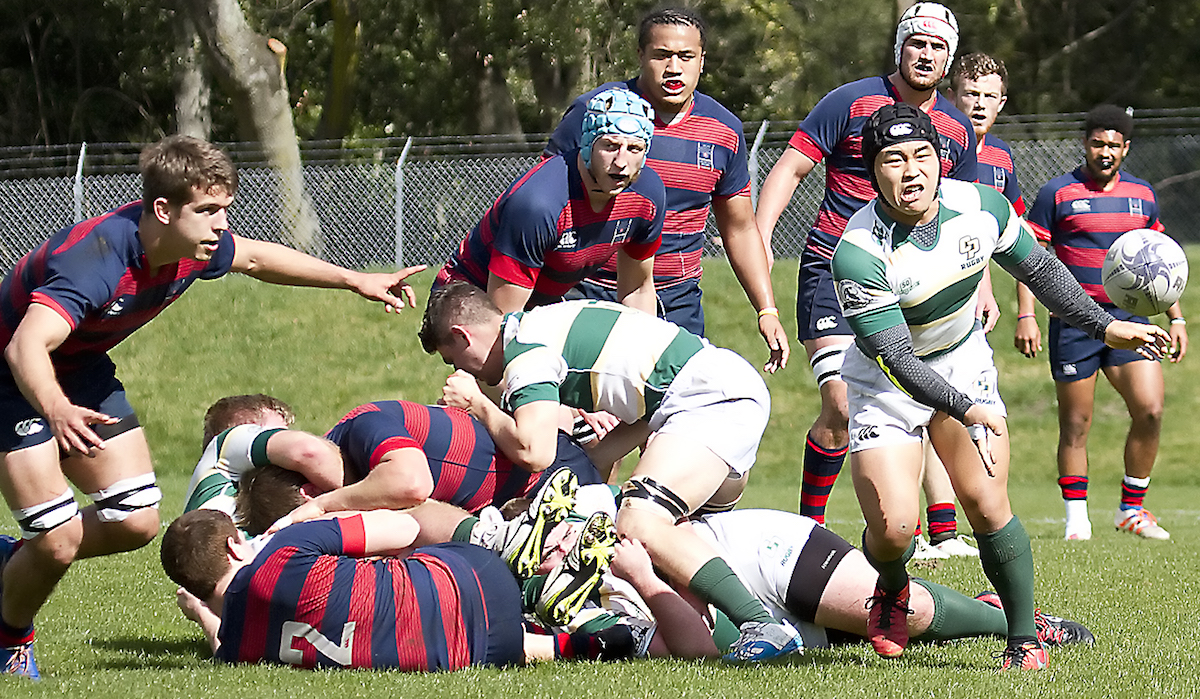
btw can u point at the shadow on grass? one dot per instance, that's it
(138, 652)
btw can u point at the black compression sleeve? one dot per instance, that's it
(893, 346)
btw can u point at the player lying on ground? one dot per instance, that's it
(346, 592)
(706, 406)
(907, 271)
(386, 454)
(63, 306)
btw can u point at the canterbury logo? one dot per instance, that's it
(28, 427)
(826, 323)
(868, 432)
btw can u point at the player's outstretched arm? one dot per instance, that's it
(279, 264)
(1147, 339)
(747, 255)
(40, 332)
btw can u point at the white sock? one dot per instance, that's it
(1077, 514)
(1137, 482)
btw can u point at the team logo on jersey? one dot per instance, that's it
(852, 295)
(115, 307)
(907, 285)
(969, 245)
(622, 231)
(999, 175)
(1081, 206)
(705, 156)
(1135, 207)
(879, 231)
(29, 427)
(567, 240)
(1069, 370)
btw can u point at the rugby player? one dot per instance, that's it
(705, 406)
(700, 153)
(907, 282)
(926, 39)
(66, 415)
(1079, 215)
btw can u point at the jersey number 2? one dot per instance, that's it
(294, 630)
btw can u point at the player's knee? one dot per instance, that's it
(139, 528)
(1147, 418)
(644, 505)
(133, 500)
(56, 548)
(53, 529)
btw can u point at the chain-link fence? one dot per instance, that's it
(406, 201)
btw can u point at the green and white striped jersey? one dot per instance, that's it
(228, 457)
(885, 279)
(593, 355)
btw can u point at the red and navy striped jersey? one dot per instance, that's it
(997, 171)
(94, 275)
(700, 157)
(542, 233)
(1081, 221)
(833, 131)
(467, 468)
(308, 599)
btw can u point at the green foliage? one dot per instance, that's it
(112, 630)
(104, 70)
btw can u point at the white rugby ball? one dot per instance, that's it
(1144, 272)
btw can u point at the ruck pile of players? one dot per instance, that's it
(482, 529)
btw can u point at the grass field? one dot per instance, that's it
(112, 628)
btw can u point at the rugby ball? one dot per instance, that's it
(1144, 272)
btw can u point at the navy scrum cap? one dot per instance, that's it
(892, 124)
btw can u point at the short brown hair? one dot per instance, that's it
(232, 411)
(974, 66)
(456, 303)
(265, 494)
(194, 553)
(177, 165)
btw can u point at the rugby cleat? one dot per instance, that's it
(18, 661)
(761, 641)
(1051, 630)
(1078, 531)
(525, 537)
(1030, 655)
(1057, 631)
(579, 574)
(887, 621)
(1139, 521)
(956, 546)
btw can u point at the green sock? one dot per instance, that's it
(957, 616)
(463, 531)
(1007, 559)
(893, 575)
(717, 584)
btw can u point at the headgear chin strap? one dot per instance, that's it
(931, 19)
(619, 112)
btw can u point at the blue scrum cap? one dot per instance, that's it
(616, 111)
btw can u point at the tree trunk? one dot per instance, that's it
(497, 109)
(343, 74)
(251, 68)
(192, 91)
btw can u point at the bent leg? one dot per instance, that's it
(36, 490)
(120, 478)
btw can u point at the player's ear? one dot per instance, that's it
(161, 210)
(1003, 101)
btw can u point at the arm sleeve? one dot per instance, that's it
(892, 347)
(1054, 286)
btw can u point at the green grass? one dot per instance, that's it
(112, 629)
